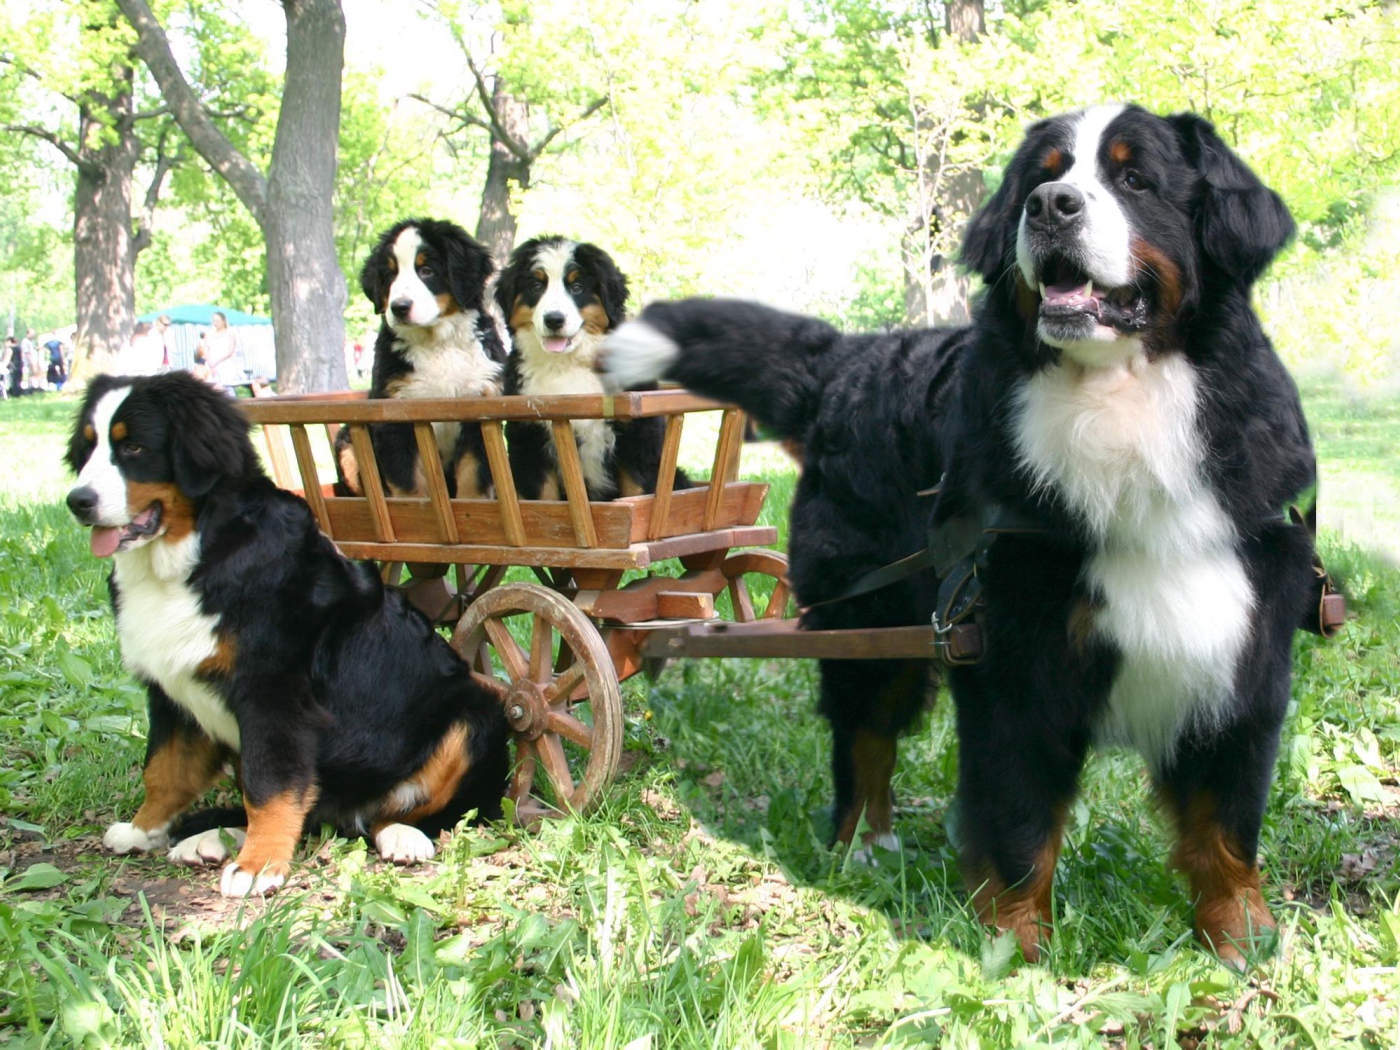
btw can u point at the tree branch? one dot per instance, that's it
(150, 114)
(165, 163)
(34, 74)
(153, 48)
(592, 108)
(53, 140)
(498, 130)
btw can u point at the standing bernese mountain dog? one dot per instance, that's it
(427, 279)
(1117, 413)
(560, 299)
(262, 646)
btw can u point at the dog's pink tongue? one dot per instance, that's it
(556, 344)
(105, 540)
(1060, 294)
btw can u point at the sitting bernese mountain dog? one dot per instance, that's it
(1118, 420)
(427, 279)
(260, 645)
(560, 299)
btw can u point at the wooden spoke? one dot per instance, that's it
(523, 779)
(744, 566)
(541, 650)
(507, 648)
(570, 728)
(556, 765)
(565, 684)
(778, 600)
(743, 604)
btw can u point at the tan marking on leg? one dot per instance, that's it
(1024, 909)
(627, 485)
(1230, 909)
(350, 469)
(1082, 621)
(274, 828)
(179, 772)
(221, 663)
(468, 477)
(177, 512)
(550, 489)
(873, 757)
(420, 485)
(437, 781)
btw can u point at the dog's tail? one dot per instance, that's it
(769, 363)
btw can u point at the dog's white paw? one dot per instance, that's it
(636, 353)
(236, 882)
(886, 840)
(207, 848)
(403, 844)
(128, 838)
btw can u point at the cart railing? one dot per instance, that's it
(629, 532)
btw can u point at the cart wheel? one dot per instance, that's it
(738, 567)
(561, 698)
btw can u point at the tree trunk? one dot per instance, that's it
(104, 261)
(304, 279)
(495, 227)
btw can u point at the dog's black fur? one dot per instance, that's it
(435, 340)
(571, 293)
(339, 690)
(880, 418)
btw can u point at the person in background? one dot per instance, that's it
(32, 374)
(14, 366)
(58, 363)
(5, 355)
(167, 341)
(142, 355)
(223, 354)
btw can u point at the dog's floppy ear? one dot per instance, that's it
(989, 241)
(1241, 223)
(468, 266)
(79, 447)
(208, 435)
(509, 280)
(374, 275)
(612, 282)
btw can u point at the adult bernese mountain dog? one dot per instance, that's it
(427, 279)
(1117, 413)
(260, 645)
(560, 299)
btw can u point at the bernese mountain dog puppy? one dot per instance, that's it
(560, 299)
(427, 279)
(261, 646)
(1117, 406)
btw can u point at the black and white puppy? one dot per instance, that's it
(427, 278)
(261, 646)
(560, 299)
(1117, 399)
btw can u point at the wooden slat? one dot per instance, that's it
(372, 484)
(575, 490)
(782, 638)
(310, 480)
(740, 504)
(684, 605)
(346, 409)
(666, 477)
(493, 435)
(483, 521)
(731, 435)
(277, 457)
(433, 475)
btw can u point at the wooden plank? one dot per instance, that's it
(684, 605)
(493, 435)
(635, 557)
(429, 458)
(310, 480)
(575, 490)
(383, 528)
(346, 409)
(741, 503)
(782, 639)
(481, 521)
(666, 477)
(277, 457)
(720, 539)
(731, 436)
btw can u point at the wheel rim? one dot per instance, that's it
(738, 567)
(561, 695)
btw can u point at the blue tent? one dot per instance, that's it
(255, 346)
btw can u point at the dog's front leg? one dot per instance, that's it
(279, 792)
(182, 763)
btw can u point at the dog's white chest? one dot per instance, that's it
(561, 375)
(1122, 448)
(448, 361)
(164, 636)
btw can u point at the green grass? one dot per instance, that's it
(698, 906)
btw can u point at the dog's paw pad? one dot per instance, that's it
(239, 882)
(207, 848)
(403, 844)
(128, 838)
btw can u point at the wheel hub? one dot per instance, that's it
(526, 709)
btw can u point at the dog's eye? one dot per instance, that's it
(425, 271)
(576, 288)
(131, 449)
(1133, 180)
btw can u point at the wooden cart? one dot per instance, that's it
(559, 647)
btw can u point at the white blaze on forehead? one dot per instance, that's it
(1102, 239)
(100, 472)
(408, 285)
(555, 260)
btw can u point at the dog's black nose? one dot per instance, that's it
(554, 320)
(82, 501)
(1054, 205)
(401, 307)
